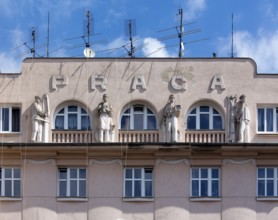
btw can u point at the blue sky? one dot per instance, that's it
(255, 29)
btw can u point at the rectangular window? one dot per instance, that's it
(205, 182)
(267, 119)
(267, 181)
(9, 119)
(138, 182)
(10, 182)
(72, 182)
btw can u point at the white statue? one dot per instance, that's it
(106, 125)
(40, 122)
(242, 119)
(170, 119)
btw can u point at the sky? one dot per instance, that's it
(207, 29)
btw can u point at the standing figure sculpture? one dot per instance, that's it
(105, 120)
(39, 120)
(170, 119)
(242, 121)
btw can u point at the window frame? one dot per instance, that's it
(266, 179)
(198, 114)
(209, 180)
(132, 112)
(11, 127)
(66, 114)
(12, 179)
(68, 180)
(265, 121)
(142, 180)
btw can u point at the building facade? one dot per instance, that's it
(146, 139)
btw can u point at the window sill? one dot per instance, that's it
(138, 199)
(11, 199)
(267, 133)
(205, 199)
(267, 198)
(71, 199)
(10, 133)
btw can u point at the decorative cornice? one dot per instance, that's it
(172, 162)
(104, 162)
(225, 161)
(52, 161)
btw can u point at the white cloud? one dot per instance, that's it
(194, 8)
(154, 48)
(9, 64)
(263, 48)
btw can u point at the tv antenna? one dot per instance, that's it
(88, 52)
(130, 27)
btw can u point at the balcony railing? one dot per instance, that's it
(204, 136)
(73, 136)
(138, 136)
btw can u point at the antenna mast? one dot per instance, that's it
(47, 47)
(181, 46)
(232, 52)
(88, 14)
(33, 50)
(131, 53)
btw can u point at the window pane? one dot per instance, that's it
(72, 121)
(269, 119)
(215, 188)
(138, 122)
(270, 188)
(151, 123)
(138, 109)
(137, 173)
(83, 111)
(270, 172)
(215, 112)
(204, 173)
(204, 108)
(128, 188)
(193, 111)
(73, 173)
(214, 173)
(204, 121)
(128, 173)
(82, 173)
(204, 188)
(261, 188)
(260, 119)
(125, 122)
(63, 174)
(148, 174)
(5, 119)
(17, 188)
(85, 122)
(137, 190)
(195, 173)
(191, 122)
(217, 122)
(59, 122)
(72, 108)
(16, 173)
(62, 188)
(261, 172)
(148, 188)
(8, 173)
(61, 111)
(73, 188)
(82, 188)
(15, 119)
(8, 188)
(195, 188)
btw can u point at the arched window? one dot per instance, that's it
(204, 117)
(72, 117)
(138, 117)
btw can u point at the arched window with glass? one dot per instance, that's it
(138, 117)
(72, 117)
(204, 117)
